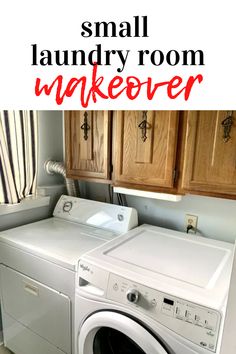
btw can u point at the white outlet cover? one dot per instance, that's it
(191, 220)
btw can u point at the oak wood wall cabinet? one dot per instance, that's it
(87, 145)
(145, 149)
(209, 161)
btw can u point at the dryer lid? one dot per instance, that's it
(56, 240)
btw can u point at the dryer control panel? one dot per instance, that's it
(116, 218)
(196, 323)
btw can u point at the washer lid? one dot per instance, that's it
(189, 266)
(190, 260)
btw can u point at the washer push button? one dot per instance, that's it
(203, 344)
(115, 287)
(153, 302)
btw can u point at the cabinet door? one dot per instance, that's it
(87, 137)
(210, 152)
(145, 148)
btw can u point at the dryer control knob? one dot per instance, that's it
(132, 296)
(67, 206)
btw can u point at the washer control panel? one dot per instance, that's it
(196, 323)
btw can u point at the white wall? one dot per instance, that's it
(51, 144)
(216, 217)
(23, 217)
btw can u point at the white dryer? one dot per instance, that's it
(153, 291)
(39, 264)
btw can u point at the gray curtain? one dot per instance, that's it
(18, 155)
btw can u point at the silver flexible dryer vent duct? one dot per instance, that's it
(53, 167)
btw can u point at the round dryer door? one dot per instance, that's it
(113, 333)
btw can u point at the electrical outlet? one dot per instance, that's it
(191, 220)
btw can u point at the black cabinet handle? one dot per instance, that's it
(85, 126)
(143, 126)
(227, 125)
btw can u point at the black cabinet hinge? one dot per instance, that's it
(175, 175)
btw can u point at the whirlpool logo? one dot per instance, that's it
(84, 267)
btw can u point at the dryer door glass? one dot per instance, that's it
(109, 332)
(110, 341)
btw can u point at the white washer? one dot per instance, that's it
(39, 265)
(153, 291)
